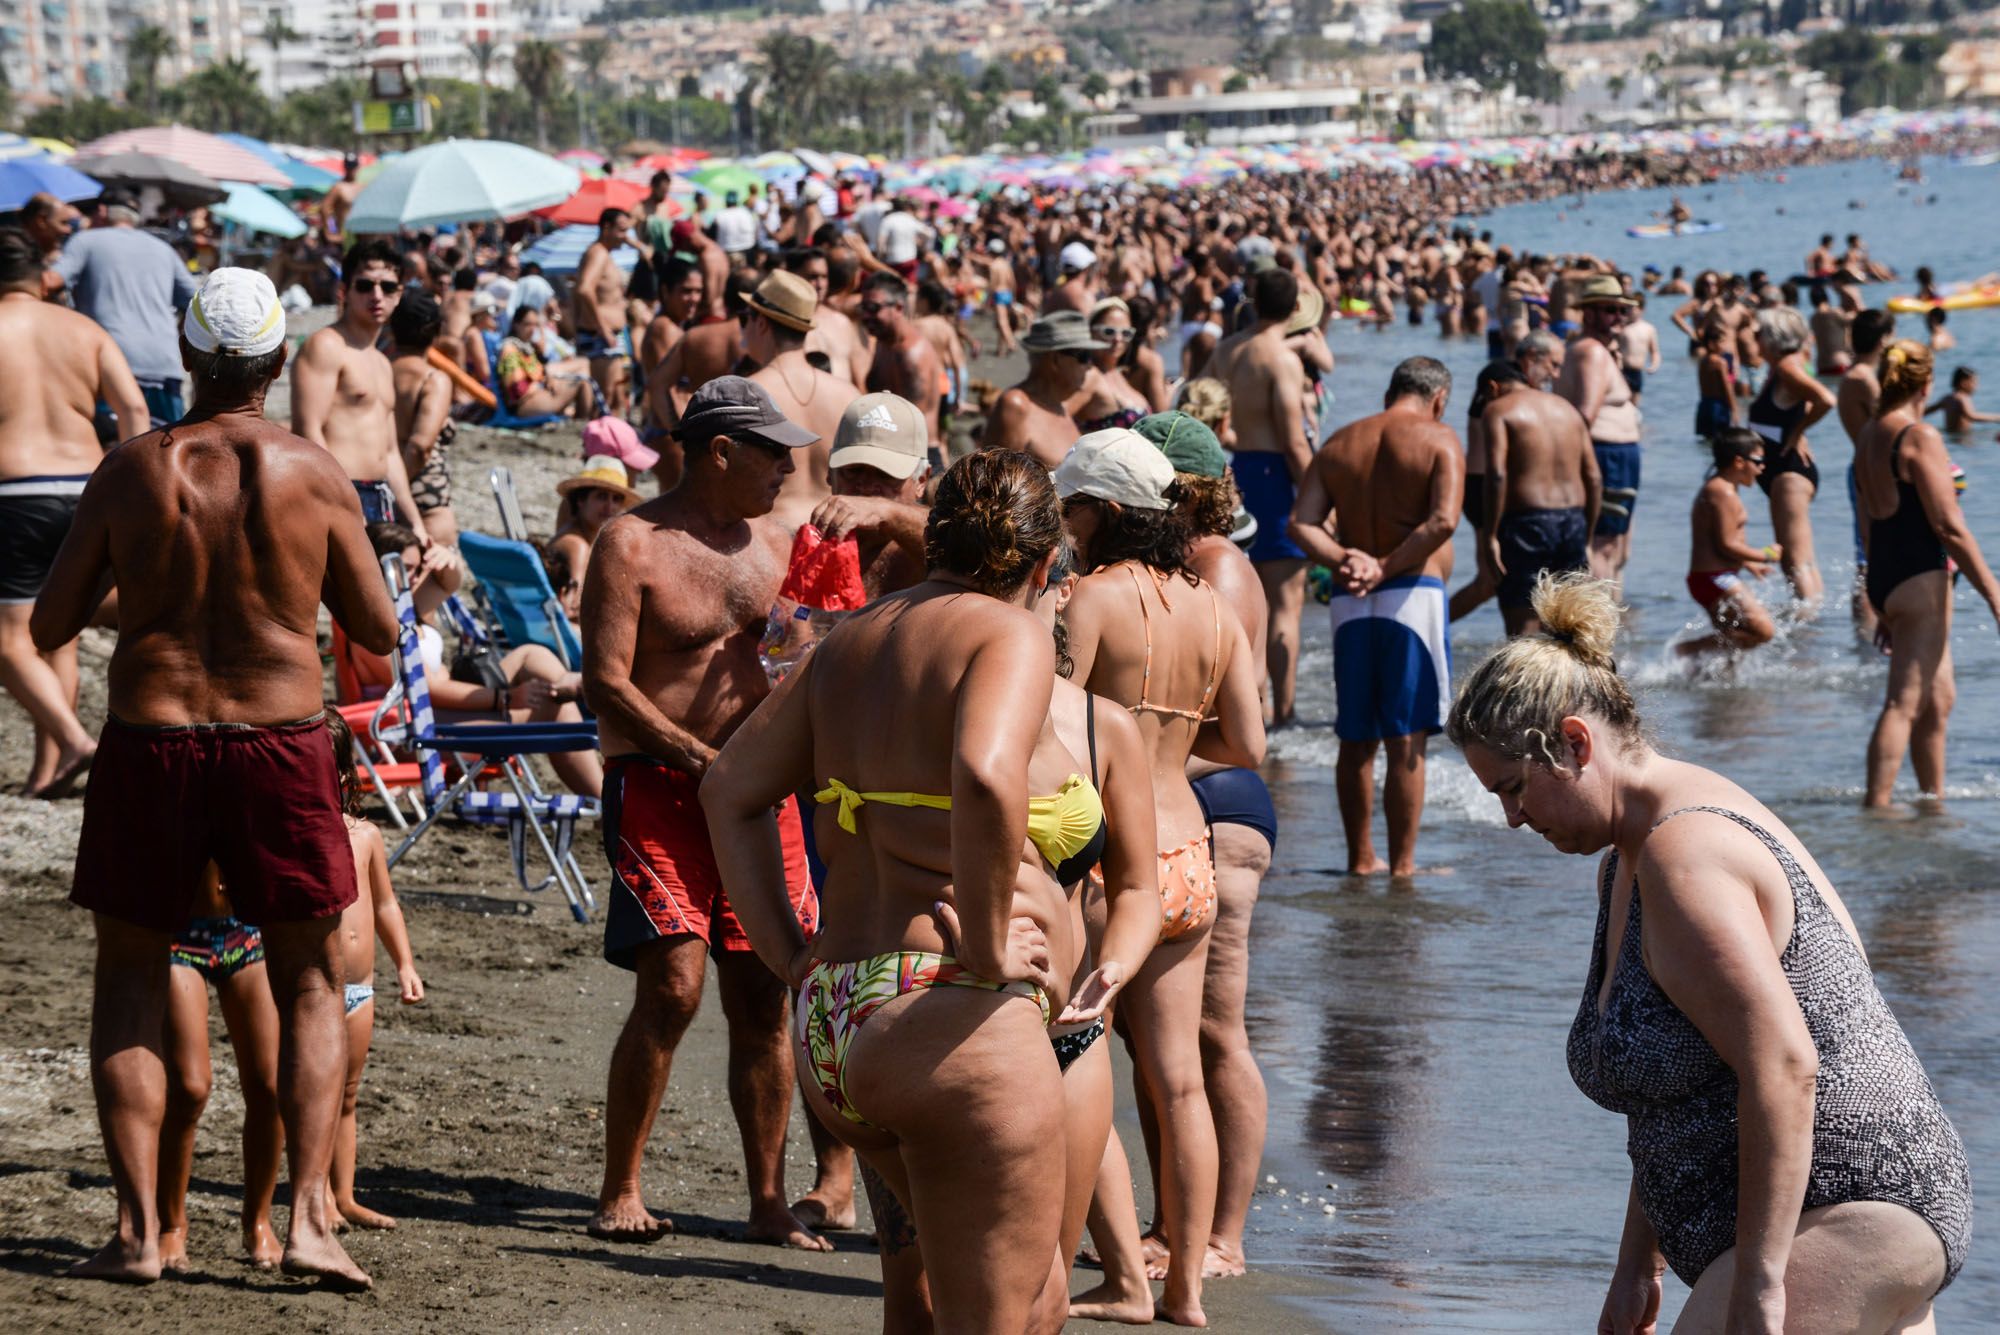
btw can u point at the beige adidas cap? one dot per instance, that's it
(884, 432)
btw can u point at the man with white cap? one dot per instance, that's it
(881, 465)
(1033, 416)
(344, 392)
(223, 534)
(1075, 288)
(781, 312)
(673, 610)
(48, 447)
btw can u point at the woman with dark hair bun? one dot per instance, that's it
(1146, 631)
(948, 810)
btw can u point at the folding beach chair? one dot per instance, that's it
(508, 501)
(481, 750)
(515, 586)
(393, 780)
(499, 417)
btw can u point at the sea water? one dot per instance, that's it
(1412, 1034)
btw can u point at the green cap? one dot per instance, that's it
(1186, 441)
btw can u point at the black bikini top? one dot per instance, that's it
(1078, 864)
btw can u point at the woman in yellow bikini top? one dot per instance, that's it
(925, 1000)
(1147, 632)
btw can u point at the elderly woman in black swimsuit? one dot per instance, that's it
(1790, 1161)
(1906, 496)
(1790, 402)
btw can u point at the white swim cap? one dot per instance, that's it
(236, 313)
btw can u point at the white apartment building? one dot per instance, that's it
(202, 31)
(53, 49)
(433, 37)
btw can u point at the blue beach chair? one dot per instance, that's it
(485, 752)
(515, 586)
(499, 418)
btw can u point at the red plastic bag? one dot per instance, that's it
(825, 575)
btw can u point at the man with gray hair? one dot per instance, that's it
(1378, 506)
(222, 536)
(133, 284)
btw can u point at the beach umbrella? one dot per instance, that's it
(593, 198)
(247, 206)
(22, 177)
(304, 177)
(815, 161)
(461, 180)
(13, 146)
(779, 161)
(213, 157)
(561, 251)
(580, 158)
(179, 183)
(725, 178)
(55, 148)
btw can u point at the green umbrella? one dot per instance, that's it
(726, 178)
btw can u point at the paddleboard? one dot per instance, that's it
(1951, 297)
(1662, 231)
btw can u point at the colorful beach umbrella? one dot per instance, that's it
(213, 157)
(21, 178)
(726, 178)
(461, 180)
(247, 206)
(304, 177)
(593, 198)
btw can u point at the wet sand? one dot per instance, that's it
(480, 1116)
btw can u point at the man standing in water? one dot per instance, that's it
(1378, 505)
(344, 391)
(48, 448)
(1859, 395)
(601, 322)
(1267, 387)
(673, 609)
(222, 534)
(1592, 380)
(1542, 495)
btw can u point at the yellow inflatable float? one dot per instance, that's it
(1951, 297)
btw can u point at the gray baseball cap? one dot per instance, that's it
(732, 405)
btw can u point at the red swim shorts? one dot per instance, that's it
(664, 881)
(262, 801)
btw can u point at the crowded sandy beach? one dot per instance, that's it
(733, 762)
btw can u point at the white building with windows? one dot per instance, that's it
(56, 49)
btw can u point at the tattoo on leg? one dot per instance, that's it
(893, 1230)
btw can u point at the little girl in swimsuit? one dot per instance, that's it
(373, 911)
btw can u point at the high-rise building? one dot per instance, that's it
(433, 37)
(55, 49)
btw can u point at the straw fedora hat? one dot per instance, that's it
(602, 473)
(785, 299)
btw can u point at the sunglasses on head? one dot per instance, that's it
(1110, 333)
(370, 286)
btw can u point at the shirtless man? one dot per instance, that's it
(905, 362)
(673, 608)
(708, 350)
(1542, 496)
(1078, 287)
(1378, 506)
(1000, 292)
(1819, 261)
(49, 222)
(1638, 348)
(834, 332)
(601, 325)
(344, 394)
(423, 412)
(689, 239)
(1833, 350)
(65, 364)
(681, 302)
(339, 201)
(1592, 381)
(775, 327)
(1267, 387)
(1032, 417)
(223, 534)
(880, 466)
(1856, 400)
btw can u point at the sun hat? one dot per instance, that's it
(1187, 441)
(1602, 289)
(602, 473)
(1062, 331)
(884, 432)
(485, 303)
(786, 299)
(731, 404)
(1307, 314)
(1117, 464)
(236, 313)
(1076, 257)
(614, 437)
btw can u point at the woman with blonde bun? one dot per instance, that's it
(1790, 1161)
(1902, 477)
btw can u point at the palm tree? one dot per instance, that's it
(483, 53)
(591, 53)
(538, 69)
(145, 47)
(276, 33)
(226, 95)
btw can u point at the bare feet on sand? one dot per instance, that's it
(325, 1260)
(1111, 1302)
(777, 1224)
(1222, 1262)
(122, 1260)
(1369, 865)
(69, 770)
(627, 1220)
(1181, 1314)
(361, 1216)
(173, 1251)
(821, 1211)
(260, 1245)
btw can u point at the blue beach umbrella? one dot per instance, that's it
(561, 251)
(461, 180)
(247, 206)
(305, 178)
(22, 177)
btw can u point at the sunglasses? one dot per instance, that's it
(872, 307)
(369, 286)
(1109, 334)
(1077, 355)
(1756, 459)
(764, 447)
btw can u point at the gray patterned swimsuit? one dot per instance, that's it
(1878, 1132)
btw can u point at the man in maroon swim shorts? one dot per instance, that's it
(672, 613)
(222, 533)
